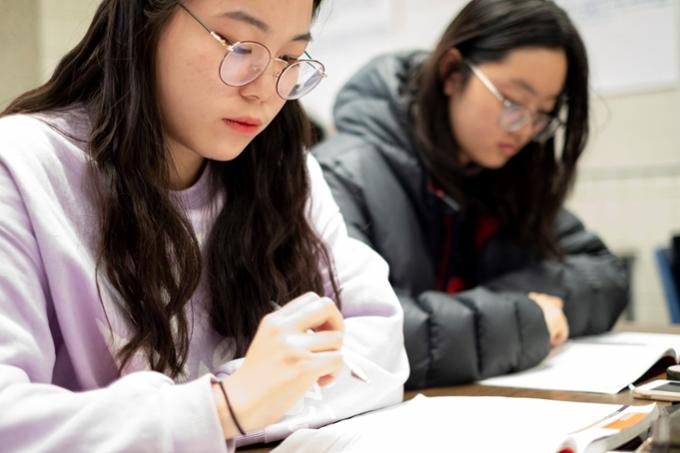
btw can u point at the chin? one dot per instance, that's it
(493, 164)
(222, 156)
(488, 159)
(226, 153)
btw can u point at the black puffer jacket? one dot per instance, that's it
(491, 327)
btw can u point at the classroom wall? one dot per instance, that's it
(62, 24)
(34, 35)
(19, 47)
(628, 189)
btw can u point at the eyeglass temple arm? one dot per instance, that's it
(202, 24)
(487, 83)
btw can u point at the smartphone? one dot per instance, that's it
(660, 389)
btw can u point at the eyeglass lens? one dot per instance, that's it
(515, 117)
(243, 64)
(246, 61)
(299, 79)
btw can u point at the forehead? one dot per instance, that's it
(279, 17)
(539, 71)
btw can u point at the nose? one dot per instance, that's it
(263, 87)
(525, 133)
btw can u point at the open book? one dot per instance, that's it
(480, 424)
(604, 363)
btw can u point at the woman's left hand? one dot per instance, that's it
(556, 321)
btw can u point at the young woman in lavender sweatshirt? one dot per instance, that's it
(156, 208)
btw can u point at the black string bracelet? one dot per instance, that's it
(231, 411)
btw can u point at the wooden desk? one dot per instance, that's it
(624, 397)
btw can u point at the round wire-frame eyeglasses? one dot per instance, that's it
(245, 61)
(515, 116)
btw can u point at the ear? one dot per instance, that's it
(448, 65)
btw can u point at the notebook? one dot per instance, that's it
(605, 363)
(480, 424)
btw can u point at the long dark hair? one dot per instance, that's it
(261, 247)
(526, 194)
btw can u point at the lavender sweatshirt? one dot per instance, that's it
(60, 389)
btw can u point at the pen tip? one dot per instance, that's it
(362, 377)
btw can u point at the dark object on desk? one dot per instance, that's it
(675, 247)
(666, 262)
(665, 432)
(673, 372)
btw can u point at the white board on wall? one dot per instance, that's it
(633, 45)
(348, 33)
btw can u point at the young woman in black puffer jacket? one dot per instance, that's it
(454, 165)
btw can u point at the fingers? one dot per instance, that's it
(310, 311)
(559, 328)
(541, 299)
(556, 321)
(300, 301)
(324, 359)
(326, 380)
(307, 328)
(294, 347)
(563, 333)
(558, 338)
(327, 363)
(330, 340)
(323, 341)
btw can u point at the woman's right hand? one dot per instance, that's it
(294, 347)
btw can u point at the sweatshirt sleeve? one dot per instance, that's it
(373, 315)
(144, 411)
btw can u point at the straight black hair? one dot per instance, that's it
(527, 193)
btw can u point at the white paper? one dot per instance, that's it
(467, 424)
(604, 363)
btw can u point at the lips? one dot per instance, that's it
(244, 125)
(508, 149)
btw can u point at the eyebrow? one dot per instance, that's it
(246, 18)
(527, 87)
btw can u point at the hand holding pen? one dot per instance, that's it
(355, 370)
(294, 347)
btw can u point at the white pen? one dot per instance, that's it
(355, 371)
